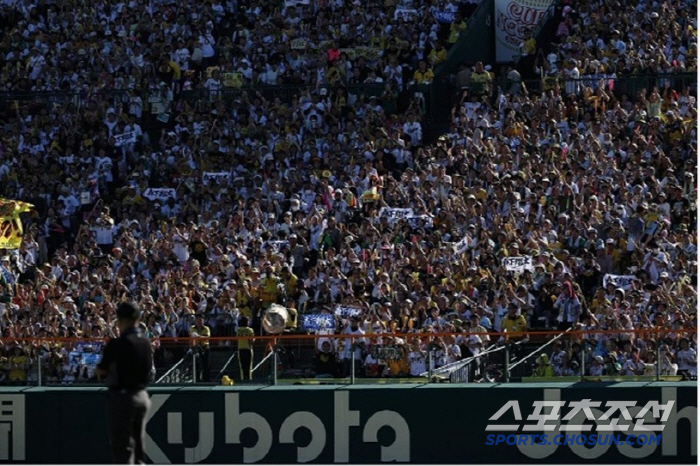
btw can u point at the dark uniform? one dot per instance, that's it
(128, 362)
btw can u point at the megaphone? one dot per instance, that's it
(275, 319)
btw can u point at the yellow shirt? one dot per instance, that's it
(649, 218)
(543, 371)
(290, 284)
(423, 77)
(268, 290)
(291, 318)
(177, 72)
(244, 332)
(549, 82)
(203, 331)
(514, 130)
(243, 303)
(406, 321)
(18, 368)
(455, 30)
(398, 366)
(530, 46)
(281, 145)
(480, 81)
(437, 56)
(513, 324)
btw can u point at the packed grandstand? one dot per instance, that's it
(209, 160)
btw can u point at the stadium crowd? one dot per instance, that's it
(565, 204)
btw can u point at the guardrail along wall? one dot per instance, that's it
(334, 424)
(299, 359)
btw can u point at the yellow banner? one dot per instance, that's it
(11, 231)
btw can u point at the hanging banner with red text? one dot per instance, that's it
(513, 19)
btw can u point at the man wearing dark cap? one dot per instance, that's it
(127, 362)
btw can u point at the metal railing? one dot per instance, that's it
(628, 85)
(435, 106)
(180, 373)
(465, 372)
(510, 367)
(298, 358)
(114, 97)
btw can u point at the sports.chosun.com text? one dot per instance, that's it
(573, 439)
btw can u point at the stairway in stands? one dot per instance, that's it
(297, 361)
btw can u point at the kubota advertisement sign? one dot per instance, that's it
(326, 424)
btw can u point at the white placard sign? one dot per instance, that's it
(619, 281)
(406, 13)
(160, 194)
(347, 311)
(420, 221)
(218, 177)
(125, 138)
(462, 245)
(394, 213)
(517, 264)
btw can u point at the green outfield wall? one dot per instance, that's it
(443, 424)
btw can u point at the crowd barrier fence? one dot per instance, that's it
(378, 358)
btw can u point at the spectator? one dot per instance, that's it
(423, 74)
(543, 368)
(201, 333)
(326, 363)
(176, 173)
(456, 28)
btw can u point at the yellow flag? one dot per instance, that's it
(11, 231)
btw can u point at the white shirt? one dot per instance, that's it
(70, 202)
(573, 85)
(455, 354)
(501, 312)
(104, 234)
(182, 57)
(213, 84)
(414, 130)
(687, 360)
(37, 64)
(207, 43)
(135, 106)
(557, 361)
(596, 369)
(180, 248)
(348, 343)
(417, 363)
